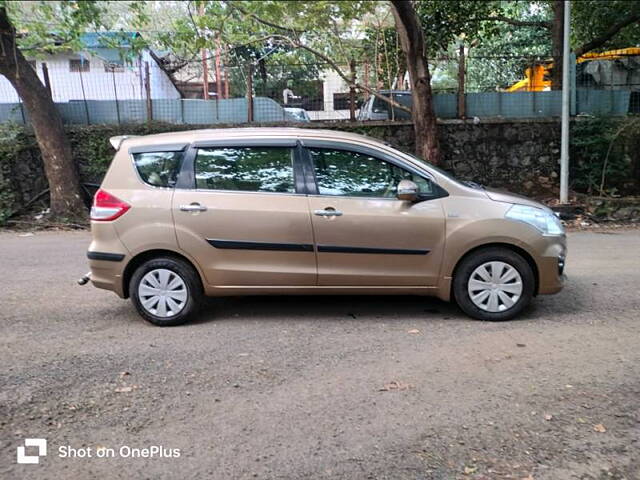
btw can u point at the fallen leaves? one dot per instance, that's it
(599, 428)
(394, 385)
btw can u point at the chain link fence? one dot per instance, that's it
(91, 90)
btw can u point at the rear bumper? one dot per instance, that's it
(107, 258)
(107, 273)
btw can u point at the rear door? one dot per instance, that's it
(364, 235)
(240, 210)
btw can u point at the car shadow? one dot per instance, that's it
(327, 308)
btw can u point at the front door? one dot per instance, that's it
(364, 235)
(244, 221)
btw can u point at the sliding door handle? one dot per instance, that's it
(328, 212)
(193, 207)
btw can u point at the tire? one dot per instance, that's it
(483, 296)
(180, 299)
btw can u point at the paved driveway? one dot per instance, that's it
(324, 387)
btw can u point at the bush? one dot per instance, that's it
(603, 155)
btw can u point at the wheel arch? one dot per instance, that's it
(509, 246)
(146, 255)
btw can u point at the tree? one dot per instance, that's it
(424, 119)
(596, 25)
(64, 186)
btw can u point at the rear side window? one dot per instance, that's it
(247, 169)
(159, 169)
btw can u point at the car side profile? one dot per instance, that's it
(253, 211)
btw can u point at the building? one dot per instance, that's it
(103, 70)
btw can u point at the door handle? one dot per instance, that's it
(328, 212)
(193, 207)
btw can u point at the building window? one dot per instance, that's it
(79, 65)
(113, 67)
(341, 101)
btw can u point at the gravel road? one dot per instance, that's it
(320, 387)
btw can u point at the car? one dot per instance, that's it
(252, 211)
(375, 108)
(298, 114)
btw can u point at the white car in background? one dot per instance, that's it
(299, 114)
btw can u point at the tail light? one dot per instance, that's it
(107, 207)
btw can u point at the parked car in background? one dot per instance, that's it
(375, 108)
(299, 114)
(299, 211)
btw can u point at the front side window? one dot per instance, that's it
(353, 174)
(159, 169)
(248, 169)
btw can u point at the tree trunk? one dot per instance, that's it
(64, 187)
(422, 114)
(557, 38)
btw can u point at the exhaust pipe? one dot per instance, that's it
(84, 279)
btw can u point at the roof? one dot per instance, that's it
(189, 136)
(108, 39)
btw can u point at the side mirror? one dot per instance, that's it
(408, 191)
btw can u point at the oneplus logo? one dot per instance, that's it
(41, 443)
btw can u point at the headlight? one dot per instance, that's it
(544, 221)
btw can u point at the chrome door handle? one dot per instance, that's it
(193, 207)
(328, 213)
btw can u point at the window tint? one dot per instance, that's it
(159, 169)
(249, 169)
(345, 173)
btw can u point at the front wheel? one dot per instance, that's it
(493, 284)
(166, 291)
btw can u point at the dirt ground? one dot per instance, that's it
(320, 387)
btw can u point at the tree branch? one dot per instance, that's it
(262, 20)
(517, 23)
(608, 35)
(343, 75)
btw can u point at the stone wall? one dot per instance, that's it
(521, 156)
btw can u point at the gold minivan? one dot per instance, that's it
(252, 211)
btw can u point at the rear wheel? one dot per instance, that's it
(493, 284)
(166, 291)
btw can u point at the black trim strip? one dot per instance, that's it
(238, 245)
(383, 251)
(109, 257)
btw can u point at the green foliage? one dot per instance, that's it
(591, 18)
(594, 141)
(445, 23)
(12, 141)
(54, 26)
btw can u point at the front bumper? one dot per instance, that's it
(551, 265)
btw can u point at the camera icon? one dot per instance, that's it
(22, 456)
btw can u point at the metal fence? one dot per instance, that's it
(89, 90)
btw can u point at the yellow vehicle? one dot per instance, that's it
(538, 77)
